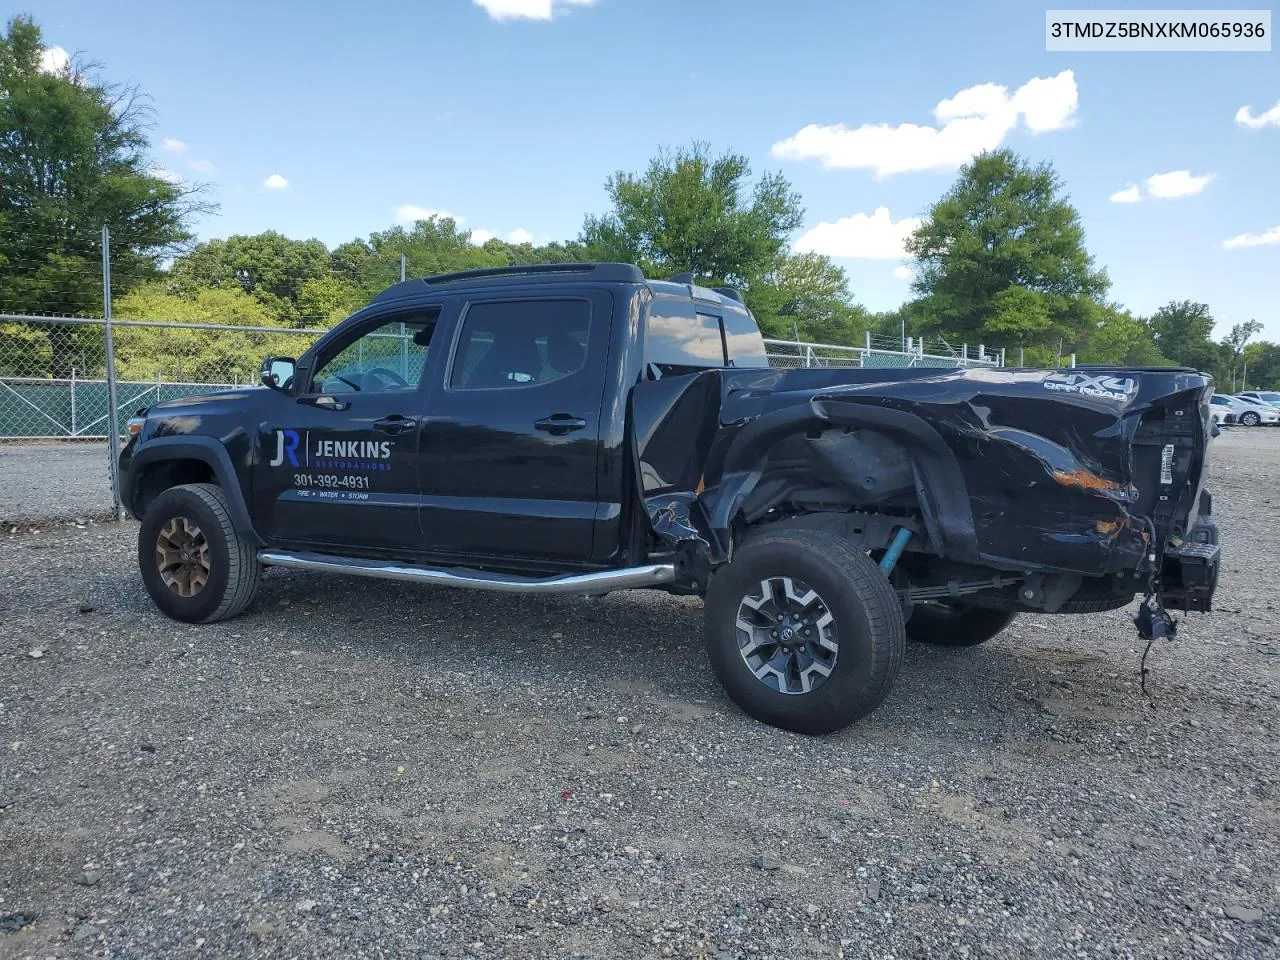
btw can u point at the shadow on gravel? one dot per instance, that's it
(647, 643)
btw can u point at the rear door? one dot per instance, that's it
(510, 444)
(338, 465)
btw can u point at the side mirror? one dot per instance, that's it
(277, 373)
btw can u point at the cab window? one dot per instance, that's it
(520, 343)
(388, 357)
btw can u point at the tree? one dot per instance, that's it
(1182, 331)
(73, 158)
(692, 212)
(1120, 338)
(1262, 363)
(807, 295)
(1001, 258)
(199, 356)
(268, 266)
(1234, 344)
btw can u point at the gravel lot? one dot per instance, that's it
(362, 769)
(58, 480)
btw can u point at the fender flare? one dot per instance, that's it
(941, 487)
(206, 449)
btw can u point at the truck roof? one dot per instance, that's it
(552, 273)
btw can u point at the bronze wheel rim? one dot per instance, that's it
(182, 556)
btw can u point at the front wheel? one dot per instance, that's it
(804, 631)
(956, 624)
(1250, 419)
(194, 564)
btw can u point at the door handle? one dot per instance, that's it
(394, 424)
(559, 424)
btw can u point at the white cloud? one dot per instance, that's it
(173, 145)
(1177, 183)
(976, 119)
(162, 174)
(1268, 238)
(1271, 118)
(527, 9)
(408, 213)
(481, 237)
(866, 237)
(201, 165)
(276, 182)
(54, 60)
(1130, 194)
(520, 235)
(902, 273)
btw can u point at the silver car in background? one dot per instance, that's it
(1271, 397)
(1245, 411)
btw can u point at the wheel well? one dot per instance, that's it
(160, 476)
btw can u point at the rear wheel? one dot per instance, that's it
(956, 624)
(1251, 419)
(804, 631)
(194, 565)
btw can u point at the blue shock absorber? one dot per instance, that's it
(896, 546)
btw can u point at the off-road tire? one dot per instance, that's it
(867, 617)
(964, 626)
(233, 572)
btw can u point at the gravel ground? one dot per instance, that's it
(55, 481)
(361, 769)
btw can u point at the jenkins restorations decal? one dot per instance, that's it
(296, 450)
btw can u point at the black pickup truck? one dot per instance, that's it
(582, 429)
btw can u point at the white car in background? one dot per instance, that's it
(1266, 396)
(1248, 413)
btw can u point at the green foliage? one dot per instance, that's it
(269, 267)
(1182, 332)
(72, 158)
(214, 356)
(1261, 366)
(1001, 258)
(692, 212)
(807, 294)
(1120, 338)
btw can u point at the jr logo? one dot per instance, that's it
(286, 446)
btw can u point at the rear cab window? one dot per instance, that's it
(687, 336)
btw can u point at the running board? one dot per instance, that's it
(602, 581)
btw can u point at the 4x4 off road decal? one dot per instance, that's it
(366, 456)
(1101, 385)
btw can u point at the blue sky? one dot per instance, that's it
(512, 123)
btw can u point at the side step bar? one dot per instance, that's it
(601, 581)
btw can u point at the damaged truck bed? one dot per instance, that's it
(579, 428)
(1039, 490)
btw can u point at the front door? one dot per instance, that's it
(338, 464)
(510, 444)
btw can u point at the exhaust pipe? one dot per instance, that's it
(603, 581)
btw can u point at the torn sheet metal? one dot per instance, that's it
(1053, 470)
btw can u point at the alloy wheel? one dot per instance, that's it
(182, 556)
(787, 635)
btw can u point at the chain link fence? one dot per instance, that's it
(912, 353)
(59, 435)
